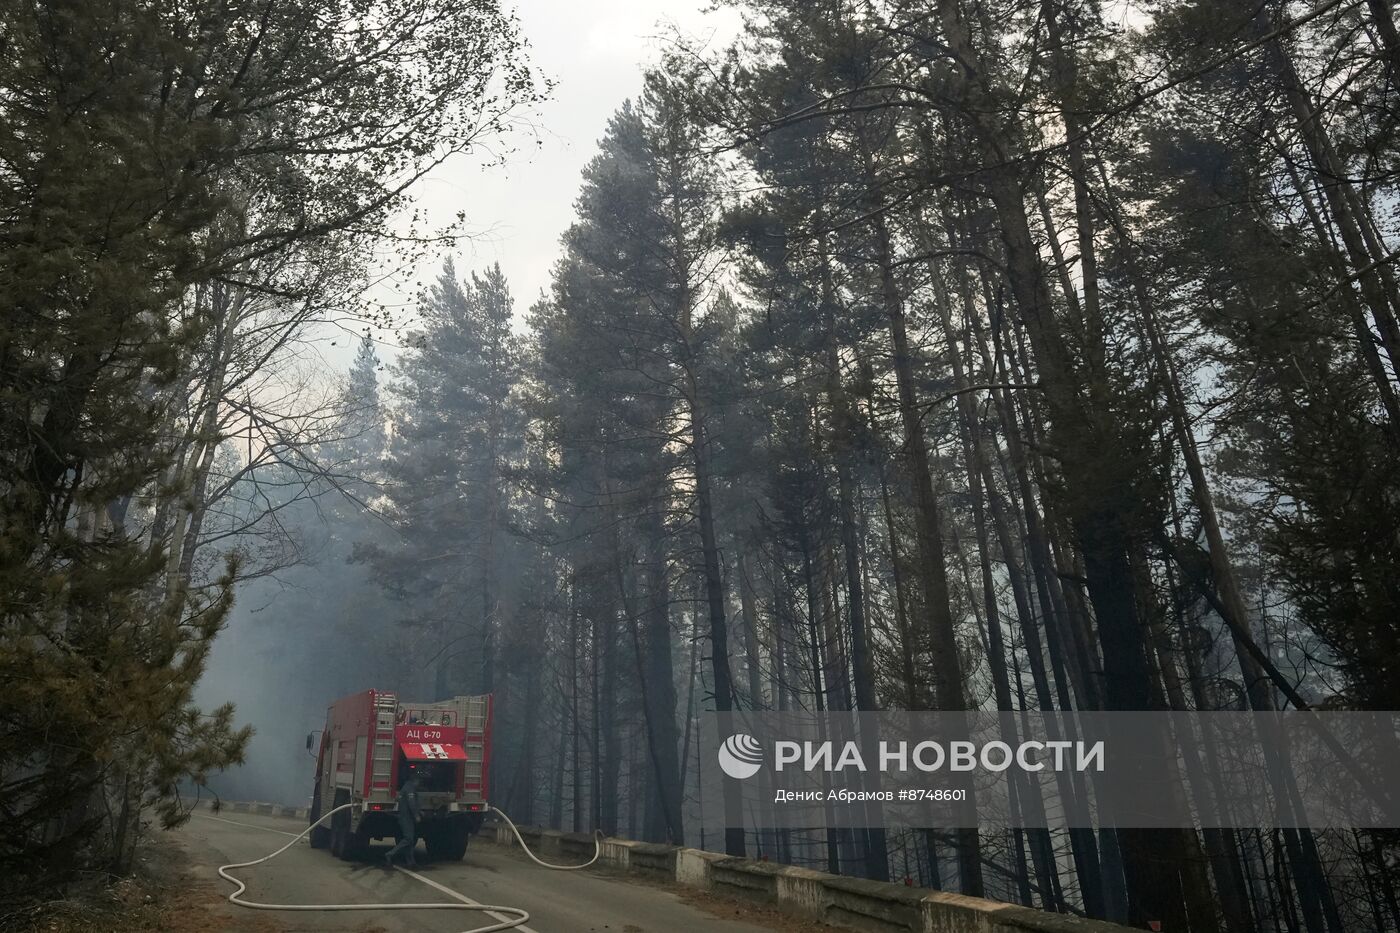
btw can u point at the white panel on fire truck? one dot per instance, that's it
(361, 758)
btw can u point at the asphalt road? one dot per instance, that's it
(558, 901)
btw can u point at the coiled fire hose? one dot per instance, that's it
(520, 916)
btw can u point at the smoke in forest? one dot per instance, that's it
(989, 356)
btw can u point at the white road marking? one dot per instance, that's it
(461, 897)
(412, 874)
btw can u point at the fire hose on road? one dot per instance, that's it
(518, 917)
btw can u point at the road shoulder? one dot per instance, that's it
(167, 892)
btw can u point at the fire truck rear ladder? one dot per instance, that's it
(386, 708)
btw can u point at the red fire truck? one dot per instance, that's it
(371, 741)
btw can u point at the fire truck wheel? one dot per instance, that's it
(321, 835)
(340, 828)
(447, 840)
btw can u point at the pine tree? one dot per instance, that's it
(456, 434)
(159, 176)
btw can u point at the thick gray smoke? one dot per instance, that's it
(294, 644)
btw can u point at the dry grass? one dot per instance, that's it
(162, 897)
(728, 908)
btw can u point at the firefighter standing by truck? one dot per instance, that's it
(408, 818)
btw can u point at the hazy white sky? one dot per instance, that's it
(595, 50)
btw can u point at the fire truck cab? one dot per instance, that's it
(370, 744)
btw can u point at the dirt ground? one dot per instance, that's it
(161, 897)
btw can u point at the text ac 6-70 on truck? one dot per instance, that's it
(370, 743)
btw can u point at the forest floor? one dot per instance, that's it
(163, 895)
